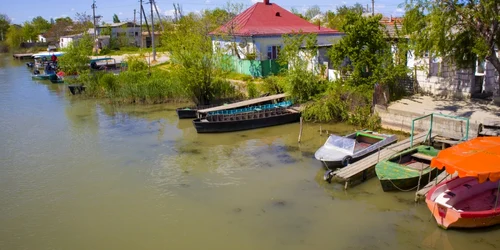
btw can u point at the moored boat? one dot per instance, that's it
(218, 123)
(339, 151)
(42, 76)
(472, 199)
(404, 170)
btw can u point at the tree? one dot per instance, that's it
(82, 23)
(60, 28)
(461, 31)
(336, 19)
(4, 26)
(297, 13)
(76, 58)
(298, 52)
(29, 32)
(40, 25)
(312, 12)
(115, 18)
(199, 66)
(363, 53)
(14, 37)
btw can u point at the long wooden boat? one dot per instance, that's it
(404, 170)
(339, 151)
(472, 199)
(244, 121)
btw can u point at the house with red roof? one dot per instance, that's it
(254, 37)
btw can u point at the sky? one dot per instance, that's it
(25, 10)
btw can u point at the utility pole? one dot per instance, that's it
(373, 7)
(135, 37)
(93, 14)
(151, 2)
(140, 13)
(159, 17)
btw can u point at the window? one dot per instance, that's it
(273, 52)
(480, 67)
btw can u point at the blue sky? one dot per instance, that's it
(23, 10)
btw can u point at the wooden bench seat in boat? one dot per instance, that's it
(469, 189)
(422, 156)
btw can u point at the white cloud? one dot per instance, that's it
(72, 9)
(207, 1)
(170, 12)
(255, 1)
(400, 10)
(120, 13)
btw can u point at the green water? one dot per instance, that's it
(77, 174)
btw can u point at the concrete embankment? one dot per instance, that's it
(399, 115)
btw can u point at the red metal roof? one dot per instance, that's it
(269, 19)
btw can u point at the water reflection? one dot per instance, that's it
(75, 173)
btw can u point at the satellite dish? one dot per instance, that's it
(243, 43)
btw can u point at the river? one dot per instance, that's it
(82, 174)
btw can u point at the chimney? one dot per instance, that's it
(266, 2)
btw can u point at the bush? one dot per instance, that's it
(252, 91)
(343, 103)
(136, 63)
(272, 85)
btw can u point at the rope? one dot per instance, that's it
(496, 199)
(400, 189)
(420, 176)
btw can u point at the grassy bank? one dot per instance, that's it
(144, 87)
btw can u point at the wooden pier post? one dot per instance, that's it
(300, 131)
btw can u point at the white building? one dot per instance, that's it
(257, 33)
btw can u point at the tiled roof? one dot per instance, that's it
(269, 19)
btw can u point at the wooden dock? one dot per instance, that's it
(365, 168)
(23, 56)
(243, 103)
(420, 195)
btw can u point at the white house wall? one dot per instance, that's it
(443, 80)
(245, 46)
(261, 43)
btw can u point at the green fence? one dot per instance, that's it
(429, 132)
(256, 68)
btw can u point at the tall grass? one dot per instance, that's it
(134, 87)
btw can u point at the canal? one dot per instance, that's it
(82, 174)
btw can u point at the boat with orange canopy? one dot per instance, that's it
(472, 199)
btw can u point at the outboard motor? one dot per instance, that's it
(328, 176)
(36, 72)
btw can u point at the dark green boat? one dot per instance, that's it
(402, 171)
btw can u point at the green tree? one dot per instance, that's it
(365, 47)
(82, 22)
(298, 52)
(336, 19)
(297, 13)
(4, 26)
(197, 65)
(460, 31)
(29, 32)
(312, 12)
(14, 37)
(60, 28)
(115, 19)
(76, 56)
(40, 25)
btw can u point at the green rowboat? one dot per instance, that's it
(402, 171)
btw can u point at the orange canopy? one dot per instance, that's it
(479, 157)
